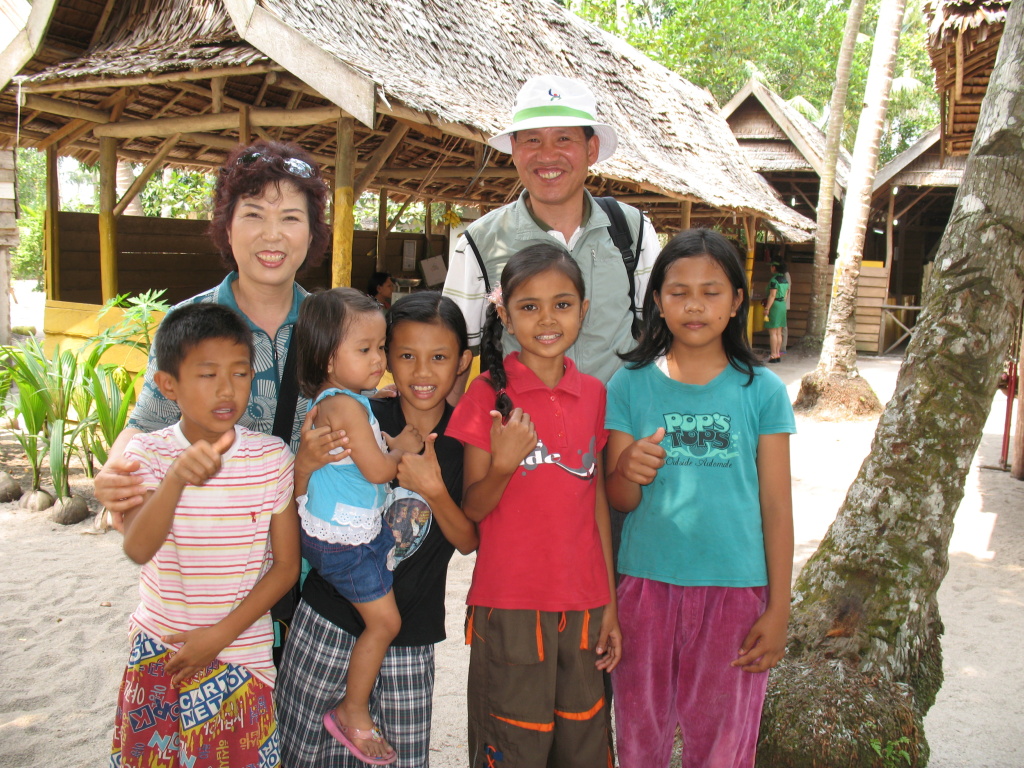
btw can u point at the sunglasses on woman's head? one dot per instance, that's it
(292, 165)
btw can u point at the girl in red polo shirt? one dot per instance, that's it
(541, 620)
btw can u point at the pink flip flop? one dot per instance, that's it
(341, 733)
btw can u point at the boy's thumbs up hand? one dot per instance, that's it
(224, 442)
(201, 460)
(640, 462)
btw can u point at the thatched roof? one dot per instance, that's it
(963, 37)
(921, 165)
(448, 70)
(777, 138)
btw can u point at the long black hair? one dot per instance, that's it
(655, 336)
(527, 263)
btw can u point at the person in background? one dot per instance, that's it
(775, 310)
(381, 287)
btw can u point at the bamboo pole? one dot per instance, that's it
(428, 225)
(148, 79)
(66, 109)
(750, 230)
(686, 211)
(382, 230)
(344, 199)
(167, 126)
(107, 222)
(244, 125)
(51, 232)
(217, 93)
(147, 172)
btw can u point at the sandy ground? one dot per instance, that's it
(65, 595)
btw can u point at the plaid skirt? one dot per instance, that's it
(311, 680)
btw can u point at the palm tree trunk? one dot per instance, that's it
(865, 662)
(835, 387)
(818, 309)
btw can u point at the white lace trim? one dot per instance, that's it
(351, 525)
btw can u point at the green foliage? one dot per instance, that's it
(366, 210)
(178, 195)
(27, 258)
(135, 330)
(113, 395)
(894, 753)
(791, 45)
(31, 178)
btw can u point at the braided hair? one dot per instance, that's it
(524, 265)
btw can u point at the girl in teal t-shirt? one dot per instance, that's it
(698, 454)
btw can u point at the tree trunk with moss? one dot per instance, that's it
(865, 662)
(835, 387)
(817, 312)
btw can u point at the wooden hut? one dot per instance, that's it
(913, 195)
(788, 151)
(392, 95)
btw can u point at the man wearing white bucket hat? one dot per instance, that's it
(554, 138)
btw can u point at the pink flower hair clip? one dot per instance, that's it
(495, 297)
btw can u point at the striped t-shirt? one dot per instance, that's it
(218, 547)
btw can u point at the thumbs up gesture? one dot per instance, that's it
(201, 460)
(512, 439)
(421, 472)
(640, 462)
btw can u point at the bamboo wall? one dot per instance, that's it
(178, 256)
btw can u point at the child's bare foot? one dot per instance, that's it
(354, 728)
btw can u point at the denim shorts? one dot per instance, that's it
(359, 572)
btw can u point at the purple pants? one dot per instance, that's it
(677, 645)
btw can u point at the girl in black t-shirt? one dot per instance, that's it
(427, 349)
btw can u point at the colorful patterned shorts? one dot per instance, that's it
(222, 717)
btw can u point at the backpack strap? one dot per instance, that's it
(618, 229)
(479, 260)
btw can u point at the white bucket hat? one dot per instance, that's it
(550, 101)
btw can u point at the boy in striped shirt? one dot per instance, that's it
(218, 537)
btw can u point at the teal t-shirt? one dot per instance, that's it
(699, 522)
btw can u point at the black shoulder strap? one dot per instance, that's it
(287, 397)
(479, 260)
(623, 240)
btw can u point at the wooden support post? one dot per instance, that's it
(382, 230)
(140, 180)
(217, 89)
(344, 200)
(244, 126)
(750, 231)
(51, 234)
(686, 209)
(428, 226)
(108, 223)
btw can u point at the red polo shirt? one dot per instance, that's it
(540, 548)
